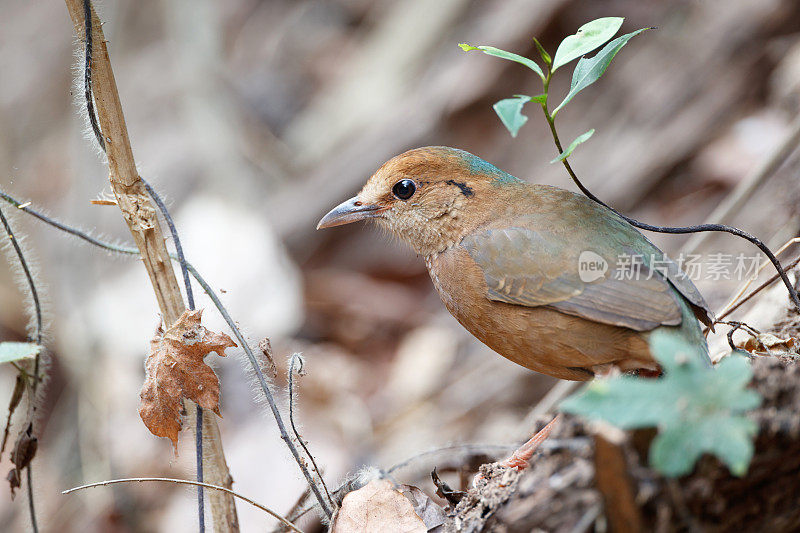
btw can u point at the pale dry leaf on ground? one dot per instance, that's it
(175, 369)
(432, 514)
(377, 508)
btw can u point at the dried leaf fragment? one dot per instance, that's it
(443, 490)
(13, 403)
(21, 456)
(431, 513)
(769, 344)
(377, 508)
(175, 369)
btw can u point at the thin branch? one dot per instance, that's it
(198, 450)
(736, 325)
(31, 506)
(222, 311)
(749, 282)
(262, 382)
(37, 306)
(298, 359)
(175, 239)
(264, 508)
(666, 229)
(758, 289)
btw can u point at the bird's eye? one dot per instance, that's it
(404, 189)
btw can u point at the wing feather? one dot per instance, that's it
(537, 268)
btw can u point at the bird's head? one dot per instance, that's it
(429, 197)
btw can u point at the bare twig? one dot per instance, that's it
(296, 364)
(735, 325)
(264, 508)
(749, 282)
(26, 269)
(758, 289)
(37, 306)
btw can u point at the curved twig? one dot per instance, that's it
(264, 508)
(37, 306)
(297, 358)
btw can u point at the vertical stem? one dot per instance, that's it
(31, 508)
(198, 432)
(140, 216)
(37, 306)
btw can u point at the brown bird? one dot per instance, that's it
(545, 277)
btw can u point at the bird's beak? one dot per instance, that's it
(350, 211)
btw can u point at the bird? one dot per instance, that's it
(545, 277)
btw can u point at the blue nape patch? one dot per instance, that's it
(479, 166)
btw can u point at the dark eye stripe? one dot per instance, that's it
(404, 189)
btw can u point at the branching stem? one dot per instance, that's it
(663, 229)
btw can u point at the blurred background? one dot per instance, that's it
(253, 118)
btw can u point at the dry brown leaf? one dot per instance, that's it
(21, 456)
(175, 369)
(377, 508)
(13, 403)
(769, 344)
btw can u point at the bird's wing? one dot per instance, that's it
(533, 268)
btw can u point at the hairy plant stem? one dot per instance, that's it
(662, 229)
(37, 311)
(296, 358)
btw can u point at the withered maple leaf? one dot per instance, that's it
(175, 369)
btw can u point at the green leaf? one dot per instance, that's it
(676, 449)
(510, 112)
(542, 52)
(588, 71)
(539, 98)
(588, 37)
(16, 351)
(496, 52)
(697, 408)
(571, 148)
